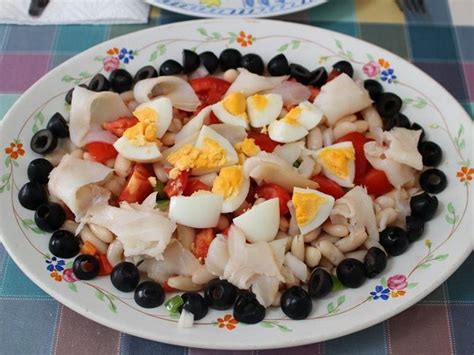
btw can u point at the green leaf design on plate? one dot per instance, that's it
(153, 56)
(330, 307)
(423, 266)
(69, 264)
(202, 31)
(283, 48)
(98, 58)
(339, 44)
(100, 295)
(459, 139)
(216, 35)
(112, 306)
(441, 257)
(340, 300)
(72, 286)
(451, 208)
(383, 282)
(323, 59)
(5, 186)
(67, 78)
(370, 57)
(295, 44)
(412, 285)
(451, 217)
(266, 324)
(31, 225)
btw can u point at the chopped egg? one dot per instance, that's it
(246, 149)
(159, 111)
(263, 109)
(232, 110)
(200, 210)
(312, 208)
(338, 163)
(233, 186)
(296, 123)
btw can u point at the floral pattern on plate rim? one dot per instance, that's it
(394, 287)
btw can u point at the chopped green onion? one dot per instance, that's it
(162, 205)
(174, 304)
(297, 163)
(159, 189)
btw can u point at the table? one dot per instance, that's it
(440, 43)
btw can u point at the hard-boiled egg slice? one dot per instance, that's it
(312, 208)
(261, 222)
(263, 109)
(159, 111)
(200, 210)
(309, 115)
(233, 186)
(286, 132)
(232, 110)
(338, 162)
(144, 153)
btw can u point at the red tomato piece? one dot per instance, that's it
(213, 119)
(269, 191)
(100, 151)
(333, 74)
(201, 243)
(328, 186)
(376, 182)
(104, 266)
(314, 92)
(138, 187)
(175, 187)
(209, 89)
(195, 185)
(168, 288)
(358, 140)
(119, 126)
(263, 141)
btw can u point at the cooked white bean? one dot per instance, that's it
(314, 139)
(348, 118)
(358, 255)
(373, 243)
(86, 156)
(223, 223)
(115, 252)
(122, 166)
(276, 300)
(175, 125)
(386, 217)
(297, 247)
(183, 283)
(372, 117)
(132, 105)
(293, 226)
(201, 276)
(306, 167)
(284, 224)
(168, 139)
(329, 251)
(70, 226)
(309, 237)
(102, 233)
(186, 236)
(324, 236)
(160, 172)
(312, 256)
(343, 128)
(384, 201)
(413, 191)
(361, 126)
(55, 156)
(115, 184)
(87, 236)
(127, 96)
(230, 75)
(337, 230)
(282, 235)
(325, 264)
(77, 153)
(352, 242)
(110, 163)
(328, 136)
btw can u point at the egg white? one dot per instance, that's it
(164, 110)
(342, 181)
(231, 203)
(310, 115)
(284, 132)
(200, 210)
(265, 116)
(321, 215)
(148, 153)
(226, 117)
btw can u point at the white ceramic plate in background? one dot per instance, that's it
(407, 279)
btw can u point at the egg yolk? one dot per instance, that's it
(292, 116)
(247, 148)
(144, 132)
(228, 183)
(306, 206)
(211, 155)
(235, 104)
(336, 160)
(260, 102)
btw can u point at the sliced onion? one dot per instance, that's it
(233, 134)
(99, 136)
(290, 152)
(291, 92)
(306, 167)
(199, 73)
(186, 319)
(249, 83)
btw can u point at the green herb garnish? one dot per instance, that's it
(174, 304)
(162, 205)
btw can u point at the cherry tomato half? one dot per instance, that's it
(328, 186)
(138, 187)
(213, 119)
(100, 151)
(263, 141)
(376, 182)
(358, 140)
(119, 126)
(209, 89)
(195, 185)
(201, 243)
(176, 187)
(269, 191)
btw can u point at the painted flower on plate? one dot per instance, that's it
(245, 39)
(380, 292)
(465, 174)
(55, 264)
(371, 69)
(111, 63)
(69, 276)
(228, 322)
(397, 282)
(126, 55)
(15, 150)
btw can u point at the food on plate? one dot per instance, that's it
(207, 175)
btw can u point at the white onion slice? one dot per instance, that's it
(99, 136)
(298, 267)
(291, 92)
(248, 83)
(186, 319)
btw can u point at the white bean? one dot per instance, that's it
(337, 230)
(386, 217)
(77, 153)
(348, 118)
(87, 236)
(306, 167)
(87, 156)
(276, 300)
(284, 224)
(115, 252)
(102, 233)
(230, 75)
(325, 263)
(314, 139)
(384, 201)
(373, 243)
(317, 168)
(413, 191)
(175, 125)
(358, 255)
(312, 256)
(168, 139)
(324, 236)
(343, 128)
(309, 237)
(55, 156)
(160, 172)
(361, 126)
(186, 236)
(183, 283)
(329, 251)
(328, 136)
(122, 166)
(372, 117)
(110, 163)
(201, 276)
(115, 184)
(127, 96)
(70, 226)
(282, 235)
(297, 247)
(352, 242)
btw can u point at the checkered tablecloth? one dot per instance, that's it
(440, 43)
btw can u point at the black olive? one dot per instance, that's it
(416, 127)
(415, 227)
(431, 153)
(375, 262)
(49, 216)
(170, 67)
(402, 121)
(220, 294)
(394, 240)
(38, 170)
(278, 65)
(195, 304)
(85, 267)
(149, 294)
(433, 181)
(319, 77)
(247, 309)
(191, 61)
(146, 72)
(230, 59)
(344, 66)
(388, 123)
(32, 195)
(99, 83)
(388, 104)
(64, 244)
(68, 97)
(253, 63)
(120, 80)
(351, 272)
(58, 125)
(374, 88)
(300, 73)
(210, 61)
(424, 206)
(296, 303)
(43, 141)
(320, 283)
(125, 276)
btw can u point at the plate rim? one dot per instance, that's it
(183, 341)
